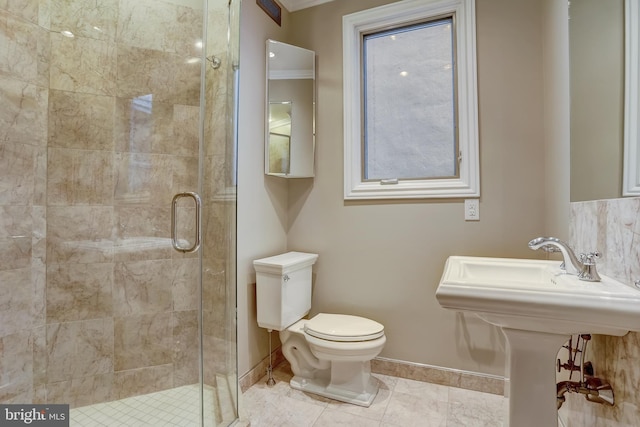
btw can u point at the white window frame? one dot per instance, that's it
(393, 15)
(631, 173)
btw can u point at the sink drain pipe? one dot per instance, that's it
(593, 388)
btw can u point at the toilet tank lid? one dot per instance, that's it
(343, 327)
(284, 263)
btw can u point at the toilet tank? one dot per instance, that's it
(283, 289)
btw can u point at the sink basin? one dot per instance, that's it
(537, 306)
(537, 295)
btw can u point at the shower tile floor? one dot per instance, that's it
(400, 402)
(175, 407)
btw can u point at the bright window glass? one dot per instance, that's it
(410, 102)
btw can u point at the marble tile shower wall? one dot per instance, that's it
(613, 228)
(97, 132)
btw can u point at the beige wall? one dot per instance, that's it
(383, 260)
(262, 200)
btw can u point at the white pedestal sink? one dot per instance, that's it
(538, 307)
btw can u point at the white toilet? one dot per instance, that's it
(330, 354)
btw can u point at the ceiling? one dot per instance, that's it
(293, 5)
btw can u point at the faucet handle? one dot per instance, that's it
(590, 258)
(589, 272)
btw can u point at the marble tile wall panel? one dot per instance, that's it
(40, 355)
(161, 26)
(214, 357)
(185, 348)
(185, 173)
(143, 340)
(26, 9)
(90, 19)
(16, 365)
(40, 176)
(23, 117)
(186, 35)
(44, 57)
(81, 391)
(622, 231)
(20, 301)
(186, 123)
(612, 227)
(146, 24)
(142, 381)
(16, 225)
(44, 14)
(214, 289)
(39, 292)
(217, 171)
(78, 120)
(79, 234)
(79, 177)
(143, 179)
(16, 173)
(214, 224)
(216, 99)
(25, 55)
(165, 75)
(142, 233)
(142, 287)
(39, 234)
(144, 125)
(215, 324)
(218, 17)
(185, 284)
(82, 65)
(79, 292)
(79, 349)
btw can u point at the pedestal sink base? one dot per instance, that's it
(532, 377)
(538, 306)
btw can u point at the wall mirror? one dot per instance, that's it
(603, 43)
(290, 111)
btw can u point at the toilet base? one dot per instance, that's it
(322, 385)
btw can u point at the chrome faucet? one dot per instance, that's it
(584, 267)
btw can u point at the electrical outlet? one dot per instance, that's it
(472, 210)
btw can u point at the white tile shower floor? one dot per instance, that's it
(175, 407)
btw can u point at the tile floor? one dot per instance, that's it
(400, 402)
(175, 407)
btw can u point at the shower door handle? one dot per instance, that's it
(174, 225)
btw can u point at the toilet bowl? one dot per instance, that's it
(330, 354)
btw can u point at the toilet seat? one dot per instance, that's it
(343, 328)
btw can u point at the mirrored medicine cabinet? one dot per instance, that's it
(604, 52)
(290, 111)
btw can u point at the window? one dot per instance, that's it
(410, 101)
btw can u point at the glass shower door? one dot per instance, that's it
(110, 107)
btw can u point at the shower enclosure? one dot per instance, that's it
(108, 109)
